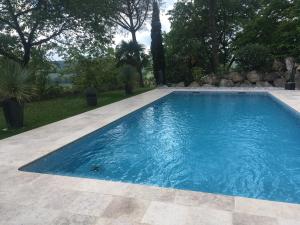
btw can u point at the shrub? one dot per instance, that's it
(198, 73)
(15, 90)
(254, 57)
(14, 82)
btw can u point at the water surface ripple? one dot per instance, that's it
(245, 145)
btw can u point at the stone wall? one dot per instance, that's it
(281, 72)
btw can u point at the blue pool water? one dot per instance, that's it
(234, 144)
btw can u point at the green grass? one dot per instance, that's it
(44, 112)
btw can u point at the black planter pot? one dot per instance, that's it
(91, 100)
(290, 86)
(13, 113)
(128, 89)
(91, 96)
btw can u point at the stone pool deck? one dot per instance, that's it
(41, 199)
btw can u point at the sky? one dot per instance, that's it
(144, 36)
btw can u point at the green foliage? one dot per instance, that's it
(100, 73)
(126, 54)
(190, 41)
(128, 74)
(198, 74)
(14, 82)
(254, 57)
(28, 25)
(276, 26)
(273, 25)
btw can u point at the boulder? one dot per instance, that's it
(279, 82)
(246, 83)
(263, 84)
(253, 76)
(289, 63)
(226, 83)
(236, 77)
(194, 84)
(208, 85)
(271, 76)
(210, 79)
(180, 84)
(278, 66)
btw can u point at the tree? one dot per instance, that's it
(212, 8)
(131, 16)
(202, 35)
(126, 54)
(25, 25)
(275, 26)
(100, 73)
(157, 48)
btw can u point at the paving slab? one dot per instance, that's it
(35, 199)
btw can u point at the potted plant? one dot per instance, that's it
(91, 96)
(128, 74)
(14, 92)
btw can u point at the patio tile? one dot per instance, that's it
(126, 209)
(56, 181)
(267, 208)
(58, 199)
(190, 198)
(36, 199)
(288, 222)
(16, 179)
(246, 219)
(26, 195)
(105, 221)
(74, 219)
(160, 213)
(150, 193)
(103, 187)
(21, 215)
(91, 204)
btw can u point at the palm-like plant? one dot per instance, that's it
(126, 53)
(13, 82)
(14, 91)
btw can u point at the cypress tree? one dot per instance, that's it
(157, 48)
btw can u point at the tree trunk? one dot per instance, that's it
(138, 57)
(213, 32)
(26, 55)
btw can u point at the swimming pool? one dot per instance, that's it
(242, 144)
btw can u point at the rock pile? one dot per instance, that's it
(281, 72)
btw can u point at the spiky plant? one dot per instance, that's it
(14, 82)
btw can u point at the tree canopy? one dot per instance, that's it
(26, 25)
(208, 34)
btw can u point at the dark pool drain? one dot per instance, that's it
(96, 168)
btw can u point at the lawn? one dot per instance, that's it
(44, 112)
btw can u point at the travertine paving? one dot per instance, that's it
(41, 199)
